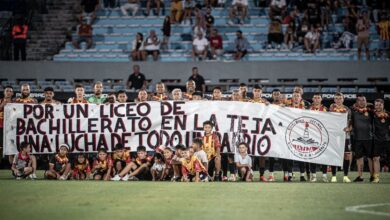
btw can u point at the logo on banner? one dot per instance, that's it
(306, 137)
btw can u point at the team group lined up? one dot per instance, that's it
(367, 132)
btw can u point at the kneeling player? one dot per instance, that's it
(21, 165)
(102, 166)
(81, 168)
(244, 163)
(59, 166)
(192, 169)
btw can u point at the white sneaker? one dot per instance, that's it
(33, 176)
(313, 179)
(116, 178)
(125, 178)
(62, 178)
(325, 179)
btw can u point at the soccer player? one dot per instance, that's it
(25, 98)
(97, 97)
(317, 106)
(191, 168)
(217, 94)
(197, 144)
(362, 135)
(244, 163)
(48, 92)
(168, 168)
(139, 169)
(81, 168)
(157, 170)
(177, 95)
(212, 147)
(381, 136)
(197, 96)
(160, 93)
(59, 166)
(79, 92)
(120, 157)
(102, 166)
(297, 102)
(121, 96)
(22, 165)
(338, 106)
(190, 89)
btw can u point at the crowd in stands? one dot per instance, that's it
(367, 131)
(293, 25)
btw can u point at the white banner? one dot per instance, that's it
(270, 131)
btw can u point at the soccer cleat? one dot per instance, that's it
(358, 179)
(263, 179)
(271, 179)
(325, 179)
(346, 179)
(232, 178)
(126, 177)
(376, 179)
(116, 178)
(302, 179)
(33, 176)
(334, 179)
(62, 178)
(313, 179)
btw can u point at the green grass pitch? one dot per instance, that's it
(41, 199)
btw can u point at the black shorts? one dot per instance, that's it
(379, 147)
(150, 52)
(211, 166)
(100, 173)
(362, 148)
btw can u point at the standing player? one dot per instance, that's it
(79, 92)
(317, 106)
(381, 136)
(160, 94)
(339, 107)
(97, 97)
(362, 134)
(212, 147)
(48, 92)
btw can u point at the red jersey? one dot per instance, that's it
(320, 108)
(105, 164)
(210, 145)
(81, 167)
(192, 166)
(125, 157)
(216, 42)
(139, 161)
(160, 97)
(27, 100)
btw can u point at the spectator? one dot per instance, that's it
(275, 34)
(166, 33)
(198, 79)
(363, 32)
(238, 7)
(188, 9)
(216, 44)
(138, 53)
(177, 95)
(84, 34)
(241, 45)
(383, 28)
(152, 45)
(153, 3)
(131, 4)
(312, 40)
(199, 28)
(313, 14)
(200, 17)
(176, 11)
(89, 10)
(209, 21)
(325, 8)
(19, 35)
(136, 80)
(302, 31)
(200, 47)
(277, 8)
(290, 35)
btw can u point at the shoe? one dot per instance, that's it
(358, 179)
(376, 179)
(62, 178)
(289, 179)
(271, 179)
(232, 178)
(334, 179)
(116, 178)
(33, 176)
(302, 179)
(346, 179)
(263, 179)
(18, 178)
(224, 179)
(313, 179)
(126, 177)
(325, 179)
(371, 179)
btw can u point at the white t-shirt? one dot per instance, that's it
(158, 167)
(241, 2)
(152, 47)
(247, 160)
(312, 36)
(202, 156)
(200, 44)
(278, 3)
